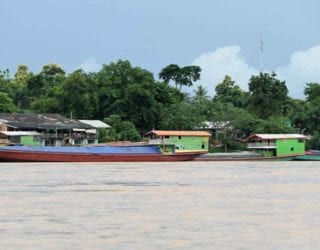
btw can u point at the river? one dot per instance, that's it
(185, 205)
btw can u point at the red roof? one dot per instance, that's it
(178, 133)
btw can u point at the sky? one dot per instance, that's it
(221, 36)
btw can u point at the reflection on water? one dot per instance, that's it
(190, 205)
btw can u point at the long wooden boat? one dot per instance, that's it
(242, 156)
(147, 153)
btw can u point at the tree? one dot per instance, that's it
(18, 85)
(311, 108)
(39, 94)
(170, 72)
(75, 96)
(312, 91)
(184, 76)
(180, 116)
(21, 76)
(6, 103)
(298, 114)
(113, 80)
(121, 74)
(188, 75)
(267, 95)
(4, 81)
(52, 70)
(133, 94)
(165, 94)
(139, 106)
(200, 95)
(245, 122)
(314, 143)
(276, 125)
(313, 116)
(121, 130)
(228, 91)
(51, 74)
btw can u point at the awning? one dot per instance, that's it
(79, 129)
(20, 133)
(91, 131)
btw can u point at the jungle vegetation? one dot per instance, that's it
(132, 100)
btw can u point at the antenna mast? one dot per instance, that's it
(261, 54)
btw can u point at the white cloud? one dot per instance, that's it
(223, 61)
(304, 66)
(90, 65)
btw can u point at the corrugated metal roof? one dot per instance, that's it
(19, 133)
(178, 133)
(40, 121)
(277, 136)
(96, 123)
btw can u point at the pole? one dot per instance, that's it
(261, 54)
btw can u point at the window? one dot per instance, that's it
(202, 146)
(167, 137)
(301, 140)
(179, 137)
(292, 149)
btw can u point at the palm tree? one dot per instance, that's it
(200, 95)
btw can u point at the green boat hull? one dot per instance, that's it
(307, 158)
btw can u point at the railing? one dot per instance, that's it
(53, 135)
(92, 136)
(73, 136)
(261, 145)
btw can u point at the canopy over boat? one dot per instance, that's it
(148, 149)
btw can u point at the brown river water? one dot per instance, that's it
(186, 205)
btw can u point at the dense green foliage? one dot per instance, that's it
(133, 101)
(267, 95)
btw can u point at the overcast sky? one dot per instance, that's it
(221, 36)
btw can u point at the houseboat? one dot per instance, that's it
(163, 146)
(180, 141)
(147, 153)
(277, 145)
(264, 147)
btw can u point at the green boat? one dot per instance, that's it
(307, 158)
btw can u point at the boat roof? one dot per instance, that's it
(178, 133)
(276, 136)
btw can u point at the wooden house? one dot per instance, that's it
(277, 145)
(180, 141)
(53, 129)
(26, 138)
